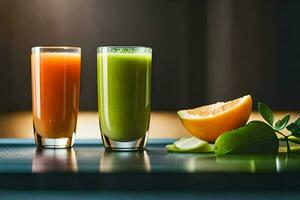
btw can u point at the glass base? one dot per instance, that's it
(53, 143)
(136, 145)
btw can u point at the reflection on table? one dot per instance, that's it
(89, 156)
(21, 162)
(277, 163)
(124, 162)
(54, 160)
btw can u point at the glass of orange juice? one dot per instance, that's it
(55, 76)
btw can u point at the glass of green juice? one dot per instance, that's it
(124, 96)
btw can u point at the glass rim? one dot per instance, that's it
(124, 47)
(61, 49)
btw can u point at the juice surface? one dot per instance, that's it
(55, 93)
(124, 88)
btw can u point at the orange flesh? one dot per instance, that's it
(213, 120)
(213, 109)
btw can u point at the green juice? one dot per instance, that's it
(124, 88)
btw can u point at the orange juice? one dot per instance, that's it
(55, 93)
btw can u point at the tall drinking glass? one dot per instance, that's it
(55, 75)
(124, 96)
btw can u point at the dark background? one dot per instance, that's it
(203, 50)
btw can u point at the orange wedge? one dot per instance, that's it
(208, 122)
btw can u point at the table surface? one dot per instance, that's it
(88, 166)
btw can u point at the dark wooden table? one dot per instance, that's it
(89, 166)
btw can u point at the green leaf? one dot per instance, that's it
(282, 123)
(255, 137)
(266, 113)
(294, 128)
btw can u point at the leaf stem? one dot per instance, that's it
(286, 138)
(287, 144)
